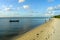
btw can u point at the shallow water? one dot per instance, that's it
(24, 24)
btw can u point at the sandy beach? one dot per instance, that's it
(48, 31)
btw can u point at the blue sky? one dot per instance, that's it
(29, 8)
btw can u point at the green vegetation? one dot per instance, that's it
(57, 16)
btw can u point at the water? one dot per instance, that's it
(25, 24)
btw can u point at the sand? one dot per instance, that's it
(48, 31)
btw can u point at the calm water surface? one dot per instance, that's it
(24, 24)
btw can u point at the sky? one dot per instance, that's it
(29, 8)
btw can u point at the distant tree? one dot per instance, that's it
(57, 16)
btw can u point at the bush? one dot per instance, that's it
(58, 16)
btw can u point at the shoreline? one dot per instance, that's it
(34, 31)
(47, 31)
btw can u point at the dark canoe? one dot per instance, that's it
(14, 21)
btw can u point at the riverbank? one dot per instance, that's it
(47, 31)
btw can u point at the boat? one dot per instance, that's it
(14, 21)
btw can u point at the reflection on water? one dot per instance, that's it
(24, 24)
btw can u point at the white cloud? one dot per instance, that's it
(20, 1)
(53, 8)
(50, 8)
(49, 14)
(18, 8)
(7, 9)
(59, 5)
(26, 6)
(51, 0)
(3, 6)
(50, 11)
(10, 5)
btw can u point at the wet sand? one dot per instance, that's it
(48, 31)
